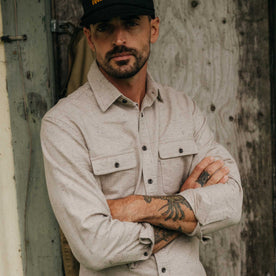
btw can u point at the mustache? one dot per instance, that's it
(120, 49)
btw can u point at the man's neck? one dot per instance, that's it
(133, 88)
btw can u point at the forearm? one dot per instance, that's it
(172, 212)
(163, 237)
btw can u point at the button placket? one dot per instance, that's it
(162, 262)
(148, 166)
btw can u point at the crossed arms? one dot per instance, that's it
(103, 233)
(170, 215)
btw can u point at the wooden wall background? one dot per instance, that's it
(217, 51)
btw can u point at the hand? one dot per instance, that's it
(207, 172)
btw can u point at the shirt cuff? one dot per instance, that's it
(198, 233)
(147, 238)
(189, 196)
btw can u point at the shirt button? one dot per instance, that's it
(124, 101)
(150, 181)
(117, 165)
(144, 148)
(180, 150)
(146, 254)
(163, 270)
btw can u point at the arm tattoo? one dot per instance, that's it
(173, 206)
(203, 178)
(147, 199)
(161, 234)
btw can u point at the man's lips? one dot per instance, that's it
(121, 56)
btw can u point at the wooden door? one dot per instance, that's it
(30, 86)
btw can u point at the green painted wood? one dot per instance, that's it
(30, 85)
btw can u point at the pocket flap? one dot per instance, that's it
(177, 149)
(114, 163)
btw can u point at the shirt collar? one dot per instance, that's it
(106, 93)
(153, 89)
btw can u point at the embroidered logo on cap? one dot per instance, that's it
(95, 2)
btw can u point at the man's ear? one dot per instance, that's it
(87, 33)
(154, 29)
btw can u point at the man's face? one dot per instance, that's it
(122, 45)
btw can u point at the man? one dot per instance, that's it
(134, 175)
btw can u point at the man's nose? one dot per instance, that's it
(119, 36)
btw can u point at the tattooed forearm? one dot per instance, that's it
(163, 237)
(161, 234)
(203, 178)
(147, 199)
(173, 208)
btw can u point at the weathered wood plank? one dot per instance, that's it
(10, 249)
(255, 136)
(224, 65)
(272, 34)
(69, 11)
(217, 52)
(30, 89)
(200, 49)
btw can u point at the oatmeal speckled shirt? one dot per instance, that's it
(98, 145)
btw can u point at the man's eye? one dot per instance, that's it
(102, 28)
(131, 23)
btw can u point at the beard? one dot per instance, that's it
(123, 69)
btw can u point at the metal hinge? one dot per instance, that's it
(61, 26)
(12, 38)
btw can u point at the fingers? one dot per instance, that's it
(207, 172)
(224, 179)
(219, 176)
(200, 168)
(214, 173)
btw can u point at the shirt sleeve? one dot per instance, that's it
(97, 241)
(217, 206)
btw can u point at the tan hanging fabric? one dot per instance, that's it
(70, 264)
(80, 59)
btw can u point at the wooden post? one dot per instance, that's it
(31, 92)
(10, 249)
(272, 21)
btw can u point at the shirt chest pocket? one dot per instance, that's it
(117, 173)
(175, 160)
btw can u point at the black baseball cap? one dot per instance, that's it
(101, 10)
